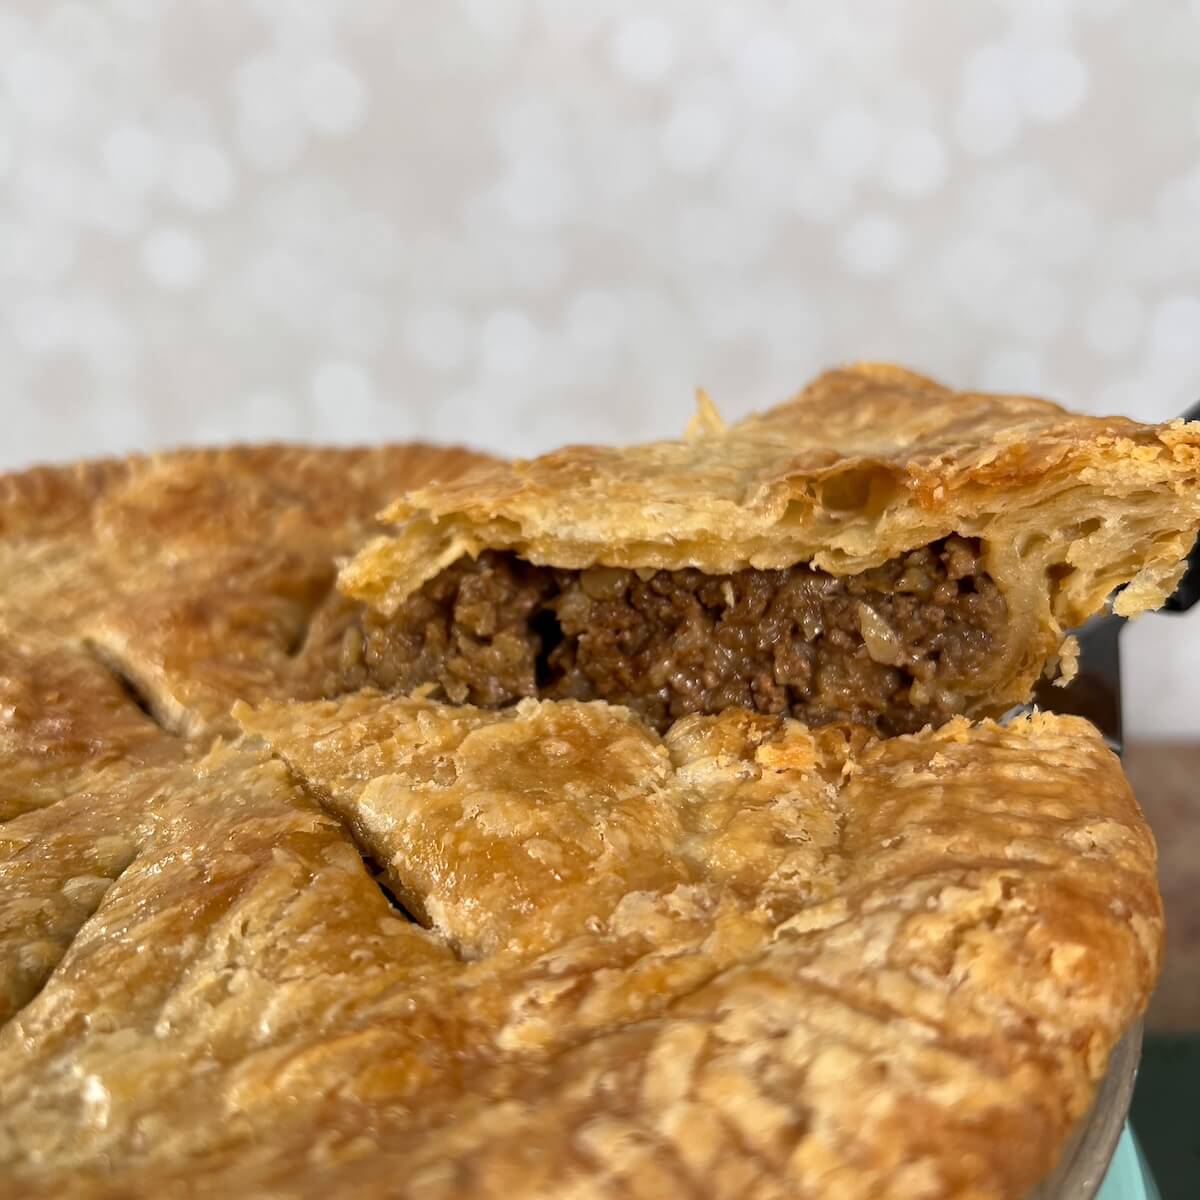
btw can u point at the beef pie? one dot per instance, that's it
(626, 824)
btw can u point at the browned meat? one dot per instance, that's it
(894, 646)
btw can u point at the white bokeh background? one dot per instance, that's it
(519, 222)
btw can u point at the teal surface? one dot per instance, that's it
(1127, 1177)
(1166, 1112)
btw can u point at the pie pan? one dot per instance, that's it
(1086, 1157)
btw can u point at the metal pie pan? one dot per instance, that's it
(1086, 1157)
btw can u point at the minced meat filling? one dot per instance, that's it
(894, 646)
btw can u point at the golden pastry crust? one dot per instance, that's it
(865, 464)
(65, 718)
(141, 598)
(743, 960)
(200, 573)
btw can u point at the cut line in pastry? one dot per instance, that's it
(746, 958)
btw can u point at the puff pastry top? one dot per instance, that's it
(864, 464)
(198, 577)
(745, 960)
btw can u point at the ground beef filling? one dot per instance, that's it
(895, 646)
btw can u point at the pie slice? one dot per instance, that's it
(743, 959)
(78, 761)
(880, 548)
(226, 955)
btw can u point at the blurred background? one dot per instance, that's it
(521, 222)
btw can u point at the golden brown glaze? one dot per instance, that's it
(865, 464)
(200, 573)
(742, 960)
(64, 718)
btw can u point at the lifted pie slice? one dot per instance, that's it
(880, 549)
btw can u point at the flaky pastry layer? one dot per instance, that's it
(865, 464)
(743, 960)
(198, 577)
